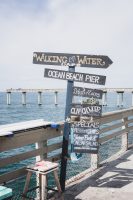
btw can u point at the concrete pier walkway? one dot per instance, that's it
(112, 181)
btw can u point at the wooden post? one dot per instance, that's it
(66, 131)
(8, 98)
(43, 189)
(94, 161)
(27, 182)
(124, 144)
(38, 158)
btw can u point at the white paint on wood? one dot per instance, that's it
(21, 126)
(94, 161)
(124, 142)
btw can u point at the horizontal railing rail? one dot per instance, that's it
(39, 138)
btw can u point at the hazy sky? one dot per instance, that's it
(99, 27)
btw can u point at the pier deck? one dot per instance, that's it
(112, 181)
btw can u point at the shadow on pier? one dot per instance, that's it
(114, 180)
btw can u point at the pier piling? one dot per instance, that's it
(8, 98)
(132, 98)
(23, 98)
(104, 99)
(120, 98)
(56, 97)
(39, 98)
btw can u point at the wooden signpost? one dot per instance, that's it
(78, 77)
(86, 134)
(86, 110)
(65, 59)
(87, 92)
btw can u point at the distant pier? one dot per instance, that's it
(38, 91)
(120, 92)
(119, 101)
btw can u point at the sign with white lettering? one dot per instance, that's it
(86, 124)
(86, 110)
(75, 76)
(93, 61)
(87, 92)
(86, 140)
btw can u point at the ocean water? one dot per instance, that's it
(16, 112)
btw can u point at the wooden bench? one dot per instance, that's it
(42, 168)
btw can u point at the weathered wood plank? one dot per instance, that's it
(112, 127)
(29, 154)
(111, 136)
(129, 121)
(115, 115)
(29, 137)
(124, 139)
(12, 175)
(130, 128)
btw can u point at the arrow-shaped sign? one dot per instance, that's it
(65, 59)
(79, 77)
(87, 92)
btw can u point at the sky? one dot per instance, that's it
(93, 27)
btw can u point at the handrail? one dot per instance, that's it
(37, 137)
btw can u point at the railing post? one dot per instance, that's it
(41, 145)
(42, 156)
(94, 161)
(124, 144)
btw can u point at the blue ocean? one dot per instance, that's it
(16, 112)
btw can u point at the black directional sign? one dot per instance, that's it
(87, 92)
(75, 76)
(65, 59)
(86, 110)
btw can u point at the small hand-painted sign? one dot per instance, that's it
(87, 92)
(75, 76)
(86, 124)
(85, 139)
(65, 59)
(86, 110)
